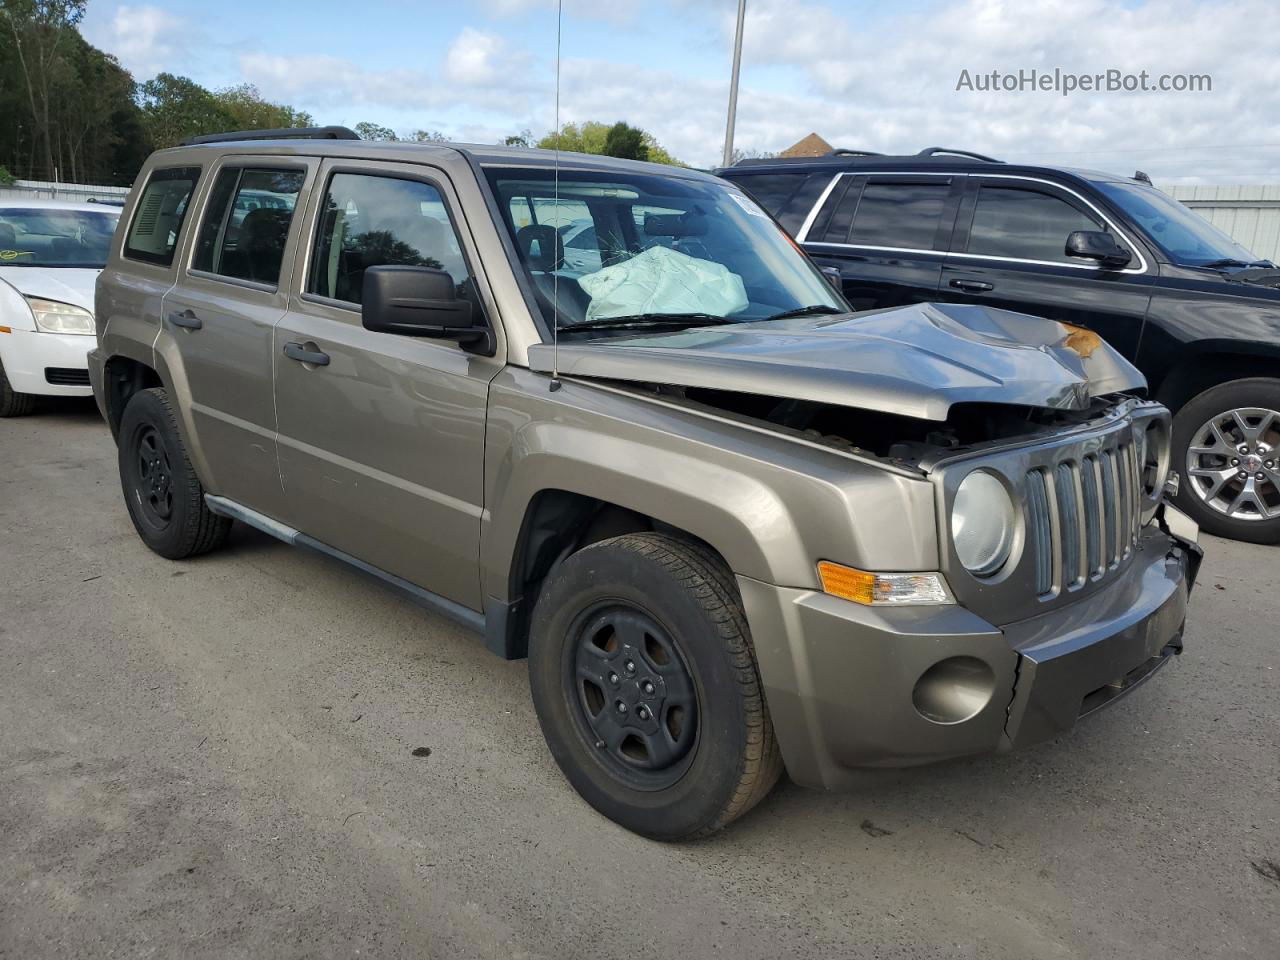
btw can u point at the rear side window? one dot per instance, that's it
(369, 221)
(157, 221)
(246, 223)
(1025, 225)
(771, 190)
(902, 216)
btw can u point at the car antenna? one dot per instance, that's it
(555, 246)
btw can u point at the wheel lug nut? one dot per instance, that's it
(613, 679)
(630, 666)
(1243, 475)
(1235, 462)
(622, 707)
(643, 713)
(647, 687)
(1258, 475)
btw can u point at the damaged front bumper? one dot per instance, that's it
(851, 687)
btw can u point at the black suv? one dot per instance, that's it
(1195, 311)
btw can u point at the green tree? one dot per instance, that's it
(374, 131)
(427, 136)
(7, 179)
(593, 137)
(626, 141)
(40, 30)
(176, 108)
(248, 111)
(522, 139)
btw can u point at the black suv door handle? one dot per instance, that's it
(185, 319)
(306, 353)
(972, 286)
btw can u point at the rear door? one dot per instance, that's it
(219, 320)
(381, 436)
(1008, 252)
(886, 234)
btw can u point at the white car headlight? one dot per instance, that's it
(982, 523)
(53, 316)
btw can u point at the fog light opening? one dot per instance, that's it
(954, 690)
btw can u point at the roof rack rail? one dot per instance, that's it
(1142, 178)
(843, 152)
(934, 151)
(282, 133)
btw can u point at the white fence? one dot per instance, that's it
(46, 190)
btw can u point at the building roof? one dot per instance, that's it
(810, 146)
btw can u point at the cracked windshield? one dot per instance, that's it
(629, 251)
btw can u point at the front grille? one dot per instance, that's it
(66, 376)
(1083, 517)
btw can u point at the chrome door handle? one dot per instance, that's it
(972, 286)
(306, 353)
(185, 319)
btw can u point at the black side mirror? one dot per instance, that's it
(419, 302)
(1098, 246)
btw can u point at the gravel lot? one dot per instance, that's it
(215, 759)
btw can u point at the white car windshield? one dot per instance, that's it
(50, 237)
(615, 249)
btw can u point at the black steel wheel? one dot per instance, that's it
(161, 490)
(637, 701)
(646, 686)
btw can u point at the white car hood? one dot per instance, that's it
(72, 285)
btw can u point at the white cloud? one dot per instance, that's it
(146, 39)
(884, 79)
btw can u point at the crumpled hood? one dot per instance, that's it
(72, 285)
(916, 360)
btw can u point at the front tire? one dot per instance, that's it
(12, 403)
(161, 490)
(1226, 444)
(645, 683)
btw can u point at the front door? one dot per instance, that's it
(1009, 252)
(381, 436)
(220, 319)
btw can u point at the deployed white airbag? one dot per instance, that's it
(661, 280)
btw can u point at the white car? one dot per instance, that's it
(51, 253)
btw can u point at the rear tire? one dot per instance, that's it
(645, 683)
(12, 403)
(1226, 446)
(161, 490)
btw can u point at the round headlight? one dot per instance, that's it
(982, 523)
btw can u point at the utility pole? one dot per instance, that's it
(733, 85)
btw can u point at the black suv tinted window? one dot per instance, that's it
(369, 221)
(246, 223)
(1025, 225)
(157, 221)
(899, 215)
(771, 190)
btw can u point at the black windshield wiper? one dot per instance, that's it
(643, 320)
(1233, 262)
(810, 311)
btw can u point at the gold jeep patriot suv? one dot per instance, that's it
(606, 414)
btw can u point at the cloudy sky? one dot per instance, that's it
(872, 75)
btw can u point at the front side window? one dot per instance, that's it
(55, 237)
(157, 221)
(1025, 224)
(602, 247)
(246, 223)
(1183, 234)
(369, 221)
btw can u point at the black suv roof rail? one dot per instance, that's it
(936, 151)
(844, 152)
(282, 133)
